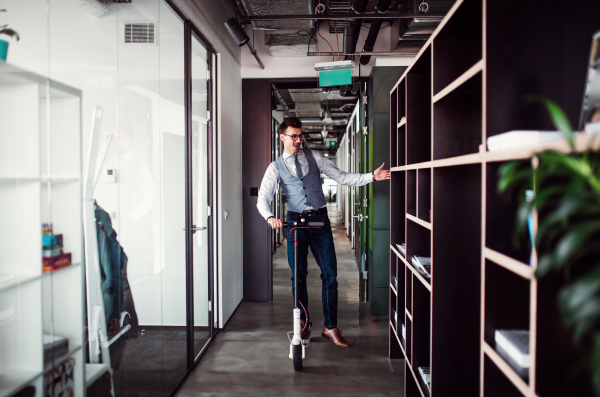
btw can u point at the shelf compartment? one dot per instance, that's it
(418, 221)
(458, 120)
(499, 379)
(397, 208)
(409, 340)
(418, 110)
(456, 275)
(424, 194)
(408, 292)
(411, 269)
(501, 214)
(421, 320)
(458, 45)
(411, 384)
(456, 84)
(509, 263)
(401, 145)
(13, 381)
(418, 241)
(411, 192)
(506, 304)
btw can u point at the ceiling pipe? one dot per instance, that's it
(343, 107)
(321, 122)
(335, 17)
(352, 32)
(239, 35)
(382, 7)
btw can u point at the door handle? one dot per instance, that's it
(195, 229)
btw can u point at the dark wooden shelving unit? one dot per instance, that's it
(468, 83)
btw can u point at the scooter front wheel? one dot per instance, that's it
(297, 356)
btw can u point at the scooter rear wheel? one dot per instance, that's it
(297, 356)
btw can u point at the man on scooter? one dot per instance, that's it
(298, 171)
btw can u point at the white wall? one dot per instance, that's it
(209, 16)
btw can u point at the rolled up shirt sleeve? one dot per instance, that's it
(267, 190)
(332, 171)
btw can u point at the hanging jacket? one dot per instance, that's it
(113, 261)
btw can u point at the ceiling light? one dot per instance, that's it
(334, 73)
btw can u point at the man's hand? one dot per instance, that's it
(275, 223)
(380, 174)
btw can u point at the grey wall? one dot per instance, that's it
(256, 157)
(381, 81)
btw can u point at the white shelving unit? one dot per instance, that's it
(40, 182)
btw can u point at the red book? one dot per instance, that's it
(56, 262)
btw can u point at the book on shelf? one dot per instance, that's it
(395, 319)
(55, 262)
(396, 283)
(54, 346)
(422, 264)
(516, 139)
(403, 332)
(401, 249)
(513, 347)
(425, 374)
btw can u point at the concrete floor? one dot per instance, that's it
(250, 357)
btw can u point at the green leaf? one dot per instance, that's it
(558, 116)
(572, 243)
(580, 303)
(11, 33)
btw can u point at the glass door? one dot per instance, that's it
(201, 130)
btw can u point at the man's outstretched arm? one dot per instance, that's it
(328, 168)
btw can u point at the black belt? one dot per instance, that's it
(320, 211)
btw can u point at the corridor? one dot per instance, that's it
(250, 357)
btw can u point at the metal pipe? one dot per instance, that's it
(382, 7)
(391, 54)
(360, 6)
(253, 52)
(343, 107)
(321, 122)
(327, 17)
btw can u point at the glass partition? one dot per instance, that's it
(103, 113)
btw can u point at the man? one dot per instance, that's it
(298, 171)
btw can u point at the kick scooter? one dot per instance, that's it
(297, 344)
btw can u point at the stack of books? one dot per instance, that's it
(426, 377)
(513, 347)
(401, 249)
(422, 264)
(53, 257)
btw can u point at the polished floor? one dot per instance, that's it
(250, 357)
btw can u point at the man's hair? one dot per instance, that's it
(291, 122)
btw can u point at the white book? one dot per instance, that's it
(426, 376)
(401, 249)
(515, 139)
(403, 332)
(422, 264)
(513, 346)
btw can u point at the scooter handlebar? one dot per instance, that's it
(305, 224)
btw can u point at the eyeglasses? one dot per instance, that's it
(294, 137)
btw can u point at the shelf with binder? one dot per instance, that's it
(421, 322)
(507, 311)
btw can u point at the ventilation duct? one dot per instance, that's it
(322, 122)
(287, 45)
(382, 7)
(270, 7)
(140, 32)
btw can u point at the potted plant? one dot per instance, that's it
(3, 43)
(567, 197)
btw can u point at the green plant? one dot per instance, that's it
(9, 32)
(567, 199)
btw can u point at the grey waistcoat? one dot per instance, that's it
(305, 191)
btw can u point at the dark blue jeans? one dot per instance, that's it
(321, 245)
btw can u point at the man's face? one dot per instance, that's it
(292, 140)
